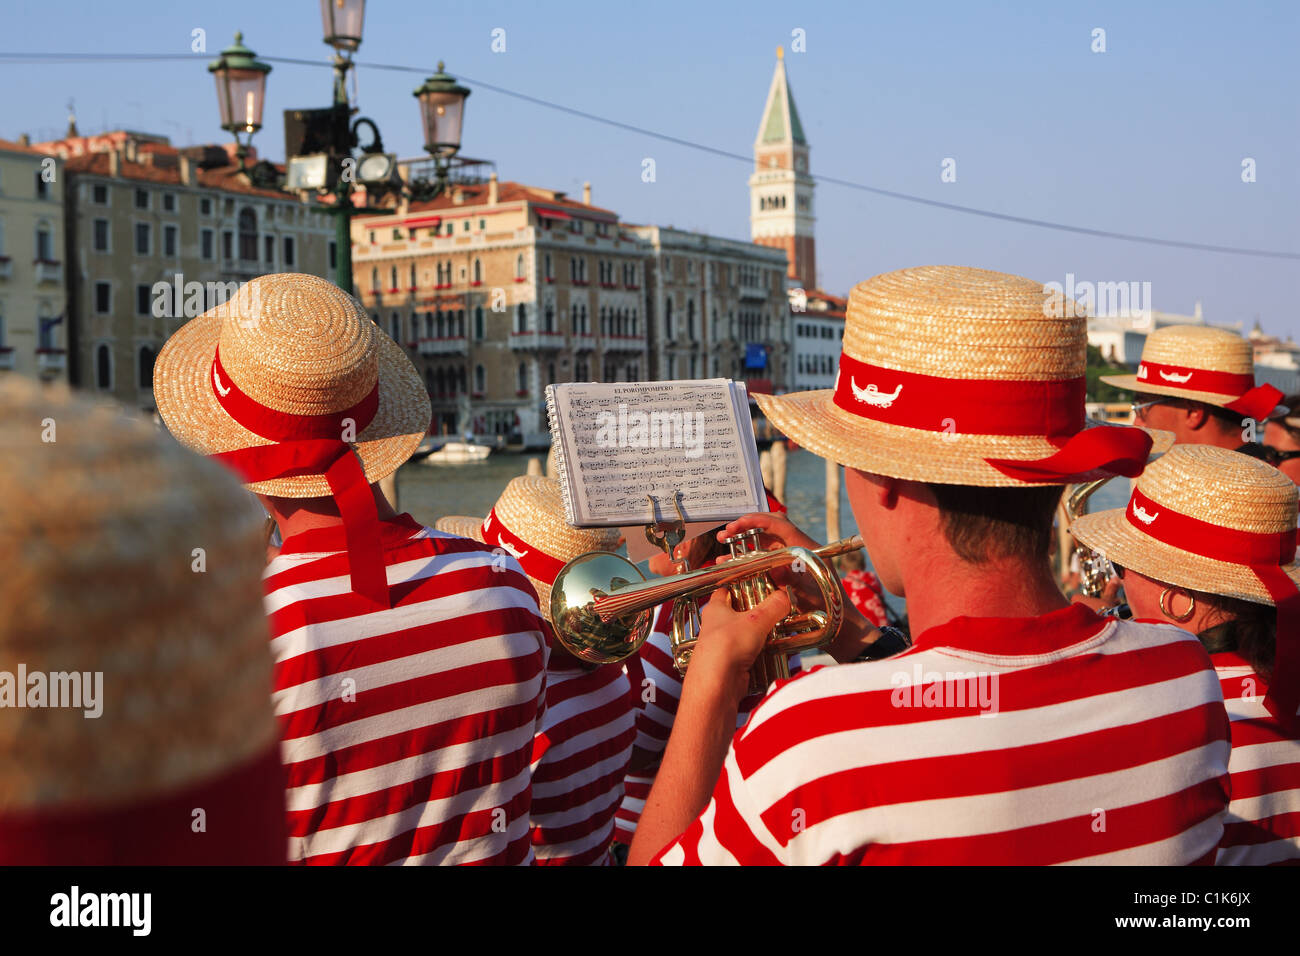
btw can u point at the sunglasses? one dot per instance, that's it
(1275, 456)
(1139, 409)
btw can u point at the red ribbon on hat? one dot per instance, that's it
(1266, 555)
(1053, 410)
(1250, 400)
(535, 562)
(313, 445)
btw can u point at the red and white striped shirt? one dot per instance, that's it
(407, 733)
(659, 691)
(580, 757)
(1064, 738)
(1263, 822)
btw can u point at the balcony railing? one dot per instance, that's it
(533, 340)
(51, 361)
(753, 291)
(583, 341)
(624, 343)
(48, 271)
(448, 345)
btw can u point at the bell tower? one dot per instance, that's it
(780, 188)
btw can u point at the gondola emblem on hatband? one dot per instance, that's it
(1141, 514)
(216, 380)
(1175, 377)
(873, 396)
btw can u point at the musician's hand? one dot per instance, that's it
(1109, 596)
(731, 640)
(778, 531)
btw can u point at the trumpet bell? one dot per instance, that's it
(577, 626)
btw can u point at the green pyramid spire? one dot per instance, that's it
(776, 127)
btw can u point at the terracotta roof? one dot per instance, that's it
(476, 195)
(226, 179)
(12, 147)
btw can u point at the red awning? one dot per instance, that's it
(553, 214)
(422, 221)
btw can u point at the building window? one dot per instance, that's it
(478, 325)
(523, 377)
(143, 238)
(169, 202)
(480, 379)
(392, 276)
(668, 319)
(99, 194)
(205, 206)
(333, 254)
(207, 243)
(147, 357)
(374, 280)
(169, 240)
(247, 235)
(478, 269)
(101, 235)
(44, 243)
(396, 327)
(268, 243)
(228, 245)
(103, 367)
(550, 274)
(519, 266)
(521, 318)
(142, 199)
(289, 254)
(103, 298)
(550, 318)
(142, 294)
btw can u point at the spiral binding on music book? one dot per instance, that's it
(557, 442)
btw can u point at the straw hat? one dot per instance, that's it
(961, 376)
(1214, 485)
(101, 522)
(1215, 366)
(528, 521)
(298, 345)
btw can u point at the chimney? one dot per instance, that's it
(457, 196)
(115, 162)
(586, 194)
(187, 170)
(24, 140)
(130, 150)
(492, 189)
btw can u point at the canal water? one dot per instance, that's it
(429, 492)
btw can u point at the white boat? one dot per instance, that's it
(457, 453)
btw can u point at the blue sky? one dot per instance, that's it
(1147, 137)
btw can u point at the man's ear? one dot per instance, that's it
(887, 490)
(1197, 416)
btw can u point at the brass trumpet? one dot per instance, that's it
(602, 605)
(1094, 569)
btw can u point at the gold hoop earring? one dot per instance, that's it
(1166, 603)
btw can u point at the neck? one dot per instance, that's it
(296, 515)
(941, 590)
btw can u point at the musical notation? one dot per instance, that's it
(621, 441)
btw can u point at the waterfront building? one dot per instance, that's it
(32, 300)
(155, 235)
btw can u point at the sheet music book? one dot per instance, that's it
(617, 442)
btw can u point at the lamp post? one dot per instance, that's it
(323, 159)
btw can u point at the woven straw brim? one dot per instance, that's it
(185, 399)
(100, 534)
(814, 421)
(1111, 534)
(1132, 384)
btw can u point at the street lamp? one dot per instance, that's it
(241, 93)
(319, 143)
(342, 20)
(442, 109)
